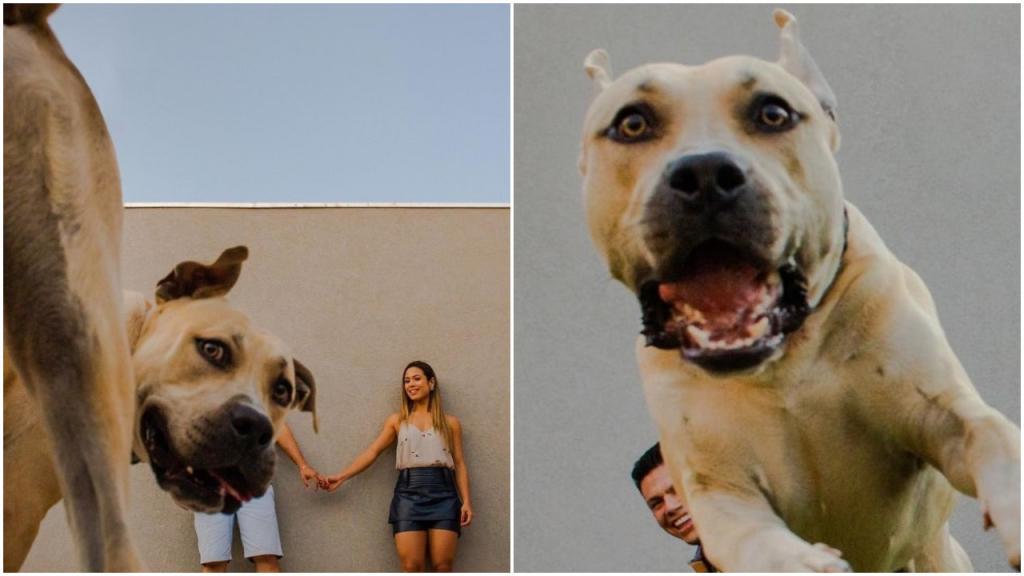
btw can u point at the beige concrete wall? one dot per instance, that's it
(357, 293)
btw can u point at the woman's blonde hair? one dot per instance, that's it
(433, 403)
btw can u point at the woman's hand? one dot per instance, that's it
(331, 483)
(467, 514)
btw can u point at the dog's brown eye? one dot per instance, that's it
(632, 124)
(215, 352)
(282, 392)
(773, 114)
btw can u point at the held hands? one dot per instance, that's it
(308, 475)
(331, 483)
(467, 514)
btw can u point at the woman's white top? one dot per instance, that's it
(421, 448)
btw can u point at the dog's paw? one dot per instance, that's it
(1004, 515)
(819, 558)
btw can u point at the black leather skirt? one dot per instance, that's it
(425, 499)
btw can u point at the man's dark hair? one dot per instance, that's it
(649, 461)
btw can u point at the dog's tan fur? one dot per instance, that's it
(854, 434)
(64, 348)
(69, 380)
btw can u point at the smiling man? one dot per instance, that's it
(669, 507)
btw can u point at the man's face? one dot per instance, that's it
(669, 508)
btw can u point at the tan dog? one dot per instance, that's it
(67, 372)
(806, 397)
(212, 388)
(211, 391)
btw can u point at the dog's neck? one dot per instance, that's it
(839, 264)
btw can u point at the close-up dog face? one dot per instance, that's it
(713, 194)
(212, 391)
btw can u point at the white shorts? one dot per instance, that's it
(257, 522)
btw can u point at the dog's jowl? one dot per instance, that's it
(797, 372)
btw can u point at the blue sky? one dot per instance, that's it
(300, 103)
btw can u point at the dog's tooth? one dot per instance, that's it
(691, 314)
(766, 300)
(189, 470)
(759, 328)
(702, 338)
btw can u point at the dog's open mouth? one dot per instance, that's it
(222, 488)
(724, 309)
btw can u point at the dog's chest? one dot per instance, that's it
(806, 450)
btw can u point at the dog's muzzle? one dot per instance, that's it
(716, 294)
(230, 459)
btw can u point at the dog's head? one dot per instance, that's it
(713, 194)
(212, 388)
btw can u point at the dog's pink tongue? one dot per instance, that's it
(226, 487)
(718, 280)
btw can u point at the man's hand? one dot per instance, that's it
(308, 474)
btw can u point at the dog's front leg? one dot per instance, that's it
(741, 533)
(926, 401)
(978, 450)
(30, 482)
(738, 527)
(989, 462)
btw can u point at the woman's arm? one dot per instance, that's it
(387, 436)
(461, 473)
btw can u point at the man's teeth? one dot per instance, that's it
(682, 520)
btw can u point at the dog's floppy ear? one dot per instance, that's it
(796, 60)
(598, 68)
(305, 391)
(195, 280)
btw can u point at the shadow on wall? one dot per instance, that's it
(357, 293)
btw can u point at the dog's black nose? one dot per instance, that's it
(709, 180)
(251, 427)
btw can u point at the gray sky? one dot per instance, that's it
(300, 103)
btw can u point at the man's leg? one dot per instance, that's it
(266, 563)
(261, 540)
(213, 536)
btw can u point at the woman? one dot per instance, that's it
(431, 502)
